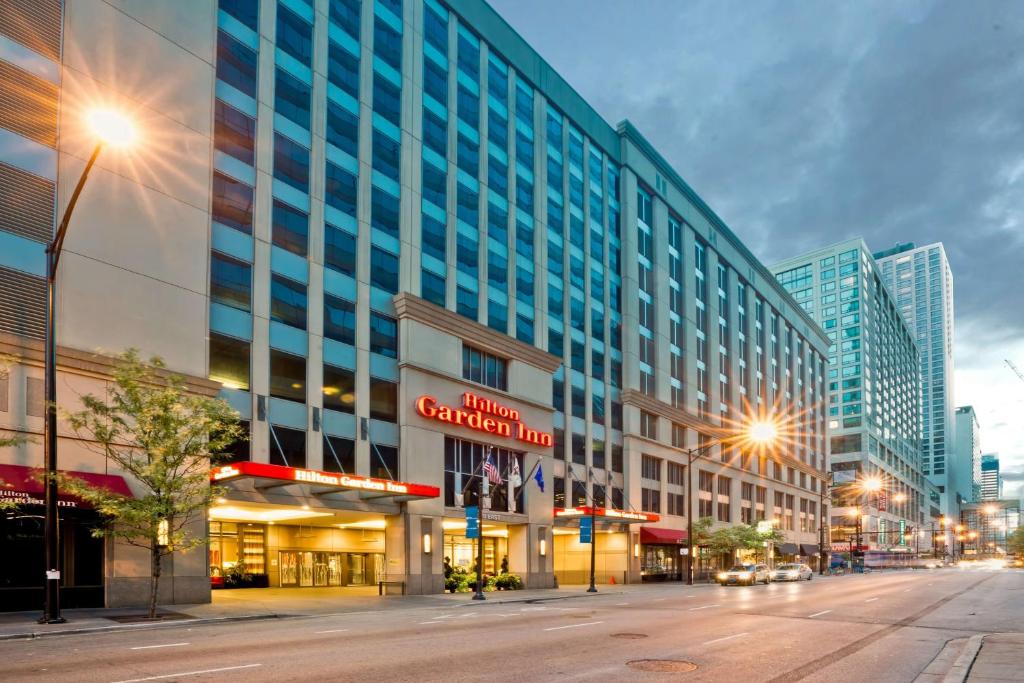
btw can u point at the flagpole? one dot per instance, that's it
(593, 533)
(480, 539)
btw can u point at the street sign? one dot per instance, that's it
(472, 521)
(903, 532)
(586, 530)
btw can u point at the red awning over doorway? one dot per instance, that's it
(655, 536)
(25, 485)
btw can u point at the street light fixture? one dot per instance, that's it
(109, 127)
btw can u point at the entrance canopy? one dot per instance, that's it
(655, 536)
(25, 485)
(267, 476)
(808, 549)
(607, 514)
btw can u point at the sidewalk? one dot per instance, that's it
(1000, 659)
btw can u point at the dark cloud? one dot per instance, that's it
(806, 123)
(1012, 476)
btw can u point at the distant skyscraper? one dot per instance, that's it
(921, 281)
(967, 469)
(991, 482)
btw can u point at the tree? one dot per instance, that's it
(8, 441)
(727, 540)
(151, 427)
(1015, 542)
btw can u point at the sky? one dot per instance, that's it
(803, 124)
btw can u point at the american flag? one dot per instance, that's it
(491, 470)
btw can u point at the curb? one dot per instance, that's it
(31, 635)
(962, 666)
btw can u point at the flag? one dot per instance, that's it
(539, 477)
(515, 478)
(491, 470)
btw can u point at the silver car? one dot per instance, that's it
(748, 574)
(792, 572)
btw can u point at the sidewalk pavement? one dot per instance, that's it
(1000, 659)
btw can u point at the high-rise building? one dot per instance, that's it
(873, 384)
(401, 246)
(968, 451)
(991, 485)
(922, 283)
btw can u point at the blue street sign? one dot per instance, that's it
(586, 530)
(472, 521)
(903, 532)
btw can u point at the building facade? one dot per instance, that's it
(991, 483)
(403, 248)
(968, 447)
(921, 281)
(873, 383)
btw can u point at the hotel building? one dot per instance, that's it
(399, 244)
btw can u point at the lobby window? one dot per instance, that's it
(383, 462)
(234, 133)
(384, 270)
(287, 446)
(290, 228)
(387, 100)
(383, 400)
(342, 129)
(343, 69)
(236, 64)
(384, 210)
(345, 13)
(383, 335)
(339, 455)
(287, 376)
(291, 163)
(288, 302)
(294, 36)
(483, 368)
(340, 189)
(291, 98)
(229, 361)
(339, 390)
(339, 320)
(232, 203)
(230, 282)
(339, 250)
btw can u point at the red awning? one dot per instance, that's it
(655, 536)
(25, 484)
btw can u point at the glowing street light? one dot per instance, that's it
(763, 432)
(990, 509)
(111, 127)
(872, 485)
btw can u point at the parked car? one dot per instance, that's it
(792, 572)
(748, 574)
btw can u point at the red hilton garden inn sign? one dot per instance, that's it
(476, 413)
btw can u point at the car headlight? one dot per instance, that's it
(722, 576)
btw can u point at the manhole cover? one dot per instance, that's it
(662, 666)
(629, 636)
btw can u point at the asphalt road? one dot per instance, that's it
(882, 627)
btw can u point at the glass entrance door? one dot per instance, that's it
(356, 569)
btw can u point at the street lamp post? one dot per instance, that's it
(109, 128)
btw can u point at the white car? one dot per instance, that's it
(745, 574)
(792, 572)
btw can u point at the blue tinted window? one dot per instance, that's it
(466, 303)
(291, 162)
(384, 270)
(290, 228)
(434, 237)
(230, 282)
(232, 203)
(497, 223)
(524, 239)
(435, 30)
(555, 253)
(236, 64)
(524, 328)
(345, 13)
(435, 81)
(387, 100)
(556, 220)
(524, 104)
(294, 36)
(246, 11)
(469, 57)
(524, 285)
(468, 155)
(342, 129)
(234, 133)
(288, 302)
(339, 250)
(524, 194)
(291, 98)
(524, 150)
(469, 106)
(339, 319)
(340, 189)
(383, 335)
(497, 129)
(468, 209)
(432, 287)
(343, 69)
(435, 133)
(556, 302)
(497, 176)
(384, 212)
(387, 44)
(467, 254)
(386, 154)
(497, 80)
(394, 5)
(497, 270)
(497, 316)
(435, 185)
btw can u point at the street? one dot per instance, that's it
(883, 626)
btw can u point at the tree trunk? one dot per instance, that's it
(154, 579)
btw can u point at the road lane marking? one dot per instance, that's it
(621, 604)
(660, 600)
(559, 628)
(190, 673)
(870, 599)
(704, 607)
(422, 623)
(150, 647)
(333, 630)
(689, 596)
(906, 590)
(818, 614)
(719, 640)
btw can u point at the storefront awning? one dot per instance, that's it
(25, 485)
(808, 549)
(607, 514)
(656, 536)
(788, 548)
(267, 476)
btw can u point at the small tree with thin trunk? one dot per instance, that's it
(1015, 542)
(150, 426)
(8, 441)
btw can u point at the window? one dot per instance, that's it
(340, 189)
(229, 361)
(291, 163)
(387, 100)
(339, 250)
(386, 155)
(339, 391)
(384, 211)
(236, 64)
(432, 287)
(435, 186)
(484, 368)
(650, 467)
(246, 11)
(339, 320)
(287, 376)
(232, 203)
(383, 461)
(387, 44)
(342, 129)
(287, 447)
(384, 270)
(383, 400)
(339, 454)
(230, 282)
(650, 500)
(287, 302)
(290, 228)
(343, 69)
(383, 335)
(466, 302)
(676, 474)
(677, 504)
(291, 98)
(345, 13)
(234, 133)
(648, 425)
(294, 36)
